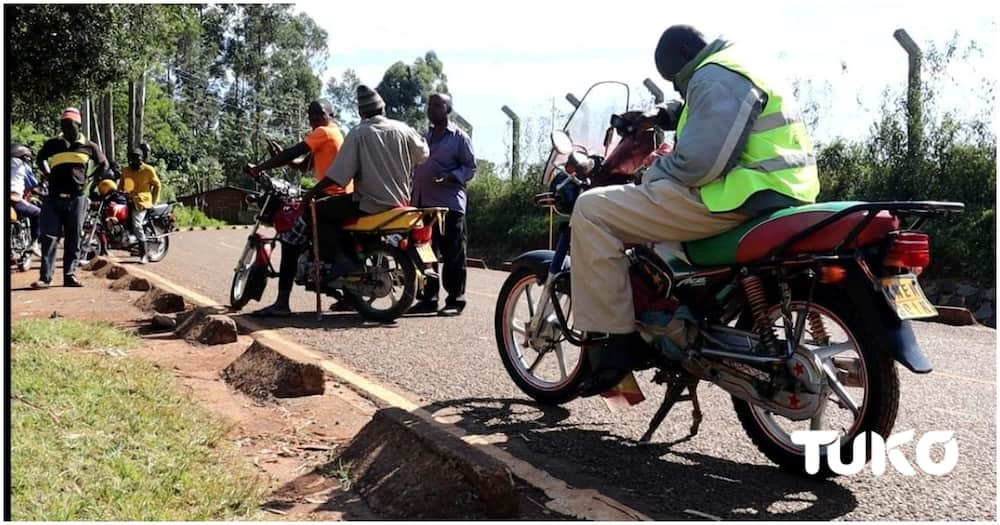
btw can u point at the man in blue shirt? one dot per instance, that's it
(440, 182)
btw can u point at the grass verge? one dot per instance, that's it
(98, 438)
(194, 218)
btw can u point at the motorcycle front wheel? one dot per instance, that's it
(546, 367)
(245, 278)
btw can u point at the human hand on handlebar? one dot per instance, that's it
(252, 170)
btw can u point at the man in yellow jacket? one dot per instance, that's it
(139, 180)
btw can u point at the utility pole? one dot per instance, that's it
(914, 121)
(657, 99)
(515, 168)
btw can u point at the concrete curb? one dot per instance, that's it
(954, 316)
(478, 457)
(406, 468)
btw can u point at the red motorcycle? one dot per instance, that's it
(109, 227)
(800, 314)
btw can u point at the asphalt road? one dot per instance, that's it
(452, 364)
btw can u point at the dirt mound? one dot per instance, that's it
(262, 372)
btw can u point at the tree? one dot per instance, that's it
(406, 89)
(61, 53)
(343, 95)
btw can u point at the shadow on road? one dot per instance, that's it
(654, 479)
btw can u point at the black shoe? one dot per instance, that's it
(450, 311)
(424, 307)
(72, 282)
(275, 310)
(611, 358)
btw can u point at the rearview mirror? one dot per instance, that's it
(561, 142)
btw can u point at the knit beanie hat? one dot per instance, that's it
(369, 100)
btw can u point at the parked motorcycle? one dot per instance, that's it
(22, 252)
(800, 315)
(108, 226)
(391, 251)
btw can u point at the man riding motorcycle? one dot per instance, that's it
(139, 180)
(22, 179)
(381, 149)
(741, 150)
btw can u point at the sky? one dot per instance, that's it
(529, 54)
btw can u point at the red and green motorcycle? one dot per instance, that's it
(800, 315)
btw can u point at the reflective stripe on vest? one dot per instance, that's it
(778, 155)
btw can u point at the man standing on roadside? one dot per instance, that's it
(63, 161)
(440, 181)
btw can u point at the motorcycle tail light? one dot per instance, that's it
(909, 250)
(423, 235)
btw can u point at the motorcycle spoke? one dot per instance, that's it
(827, 352)
(531, 369)
(531, 302)
(842, 394)
(562, 361)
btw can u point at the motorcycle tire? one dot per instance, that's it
(157, 255)
(408, 275)
(881, 402)
(557, 394)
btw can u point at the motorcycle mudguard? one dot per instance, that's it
(263, 259)
(899, 336)
(537, 261)
(904, 348)
(257, 282)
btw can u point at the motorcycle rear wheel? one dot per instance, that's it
(403, 273)
(161, 246)
(875, 372)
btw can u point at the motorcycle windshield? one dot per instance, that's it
(589, 122)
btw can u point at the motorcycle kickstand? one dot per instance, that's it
(675, 393)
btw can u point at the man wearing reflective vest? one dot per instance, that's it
(741, 150)
(64, 162)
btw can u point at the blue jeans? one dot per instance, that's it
(62, 217)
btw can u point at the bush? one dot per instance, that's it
(948, 169)
(194, 218)
(503, 220)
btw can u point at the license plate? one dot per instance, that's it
(904, 294)
(426, 253)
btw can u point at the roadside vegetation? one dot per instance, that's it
(99, 436)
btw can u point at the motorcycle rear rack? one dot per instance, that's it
(921, 209)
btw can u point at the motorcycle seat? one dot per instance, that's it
(755, 239)
(402, 218)
(159, 209)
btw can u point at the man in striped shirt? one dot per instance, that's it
(64, 162)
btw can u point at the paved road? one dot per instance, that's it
(452, 364)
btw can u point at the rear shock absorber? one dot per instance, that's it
(753, 288)
(818, 329)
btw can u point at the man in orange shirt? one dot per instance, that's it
(323, 143)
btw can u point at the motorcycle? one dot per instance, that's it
(108, 227)
(800, 314)
(21, 247)
(391, 251)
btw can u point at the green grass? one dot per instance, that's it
(194, 218)
(98, 438)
